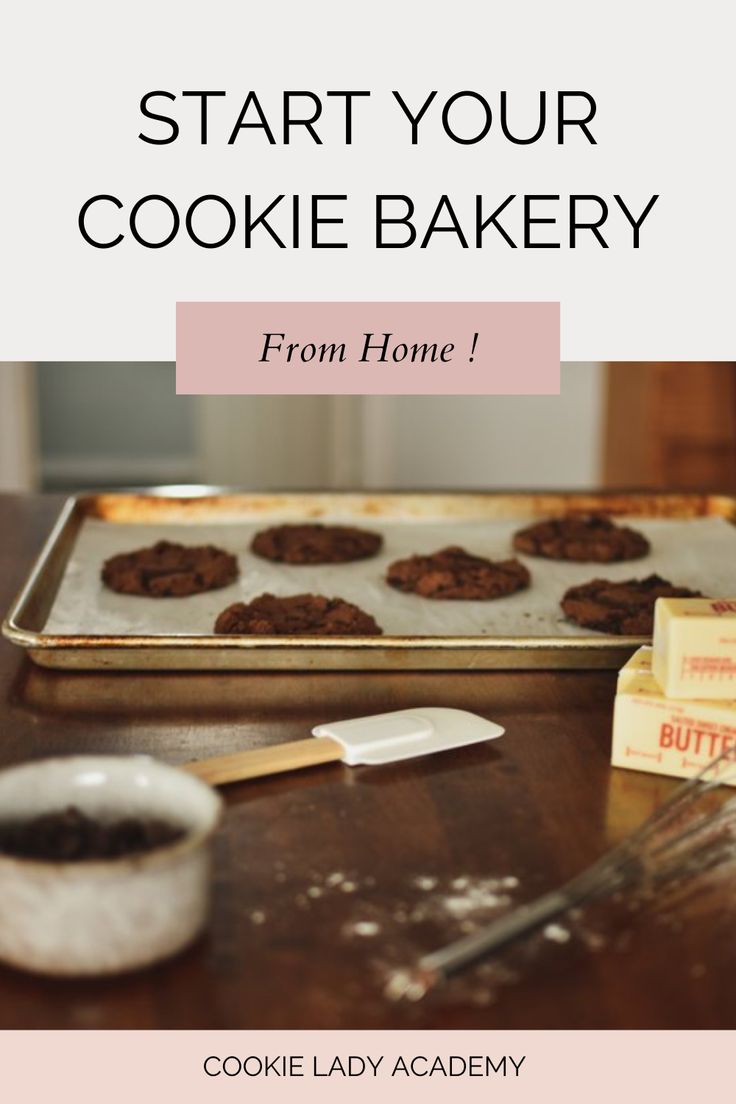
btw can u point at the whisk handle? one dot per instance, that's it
(504, 930)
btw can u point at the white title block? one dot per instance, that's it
(550, 152)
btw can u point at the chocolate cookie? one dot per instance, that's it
(625, 608)
(454, 573)
(585, 538)
(315, 544)
(170, 570)
(298, 615)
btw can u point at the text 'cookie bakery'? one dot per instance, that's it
(400, 221)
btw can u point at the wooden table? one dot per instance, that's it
(536, 806)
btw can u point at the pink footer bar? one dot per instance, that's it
(368, 348)
(280, 1067)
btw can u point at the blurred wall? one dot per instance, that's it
(495, 441)
(113, 423)
(18, 436)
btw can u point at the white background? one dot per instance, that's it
(72, 76)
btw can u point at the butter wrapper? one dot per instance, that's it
(666, 736)
(694, 647)
(639, 664)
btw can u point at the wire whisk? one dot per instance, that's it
(677, 839)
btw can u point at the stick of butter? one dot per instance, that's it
(695, 647)
(664, 736)
(639, 664)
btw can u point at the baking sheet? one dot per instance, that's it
(697, 553)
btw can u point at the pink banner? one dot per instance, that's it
(368, 348)
(276, 1067)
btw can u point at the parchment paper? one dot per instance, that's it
(697, 553)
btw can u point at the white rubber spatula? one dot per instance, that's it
(384, 738)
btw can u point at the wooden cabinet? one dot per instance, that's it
(671, 425)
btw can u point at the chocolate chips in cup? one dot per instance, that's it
(71, 836)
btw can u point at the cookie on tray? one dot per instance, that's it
(623, 608)
(583, 538)
(454, 573)
(297, 615)
(315, 544)
(169, 570)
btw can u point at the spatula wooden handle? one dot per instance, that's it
(258, 762)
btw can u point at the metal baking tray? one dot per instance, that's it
(200, 506)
